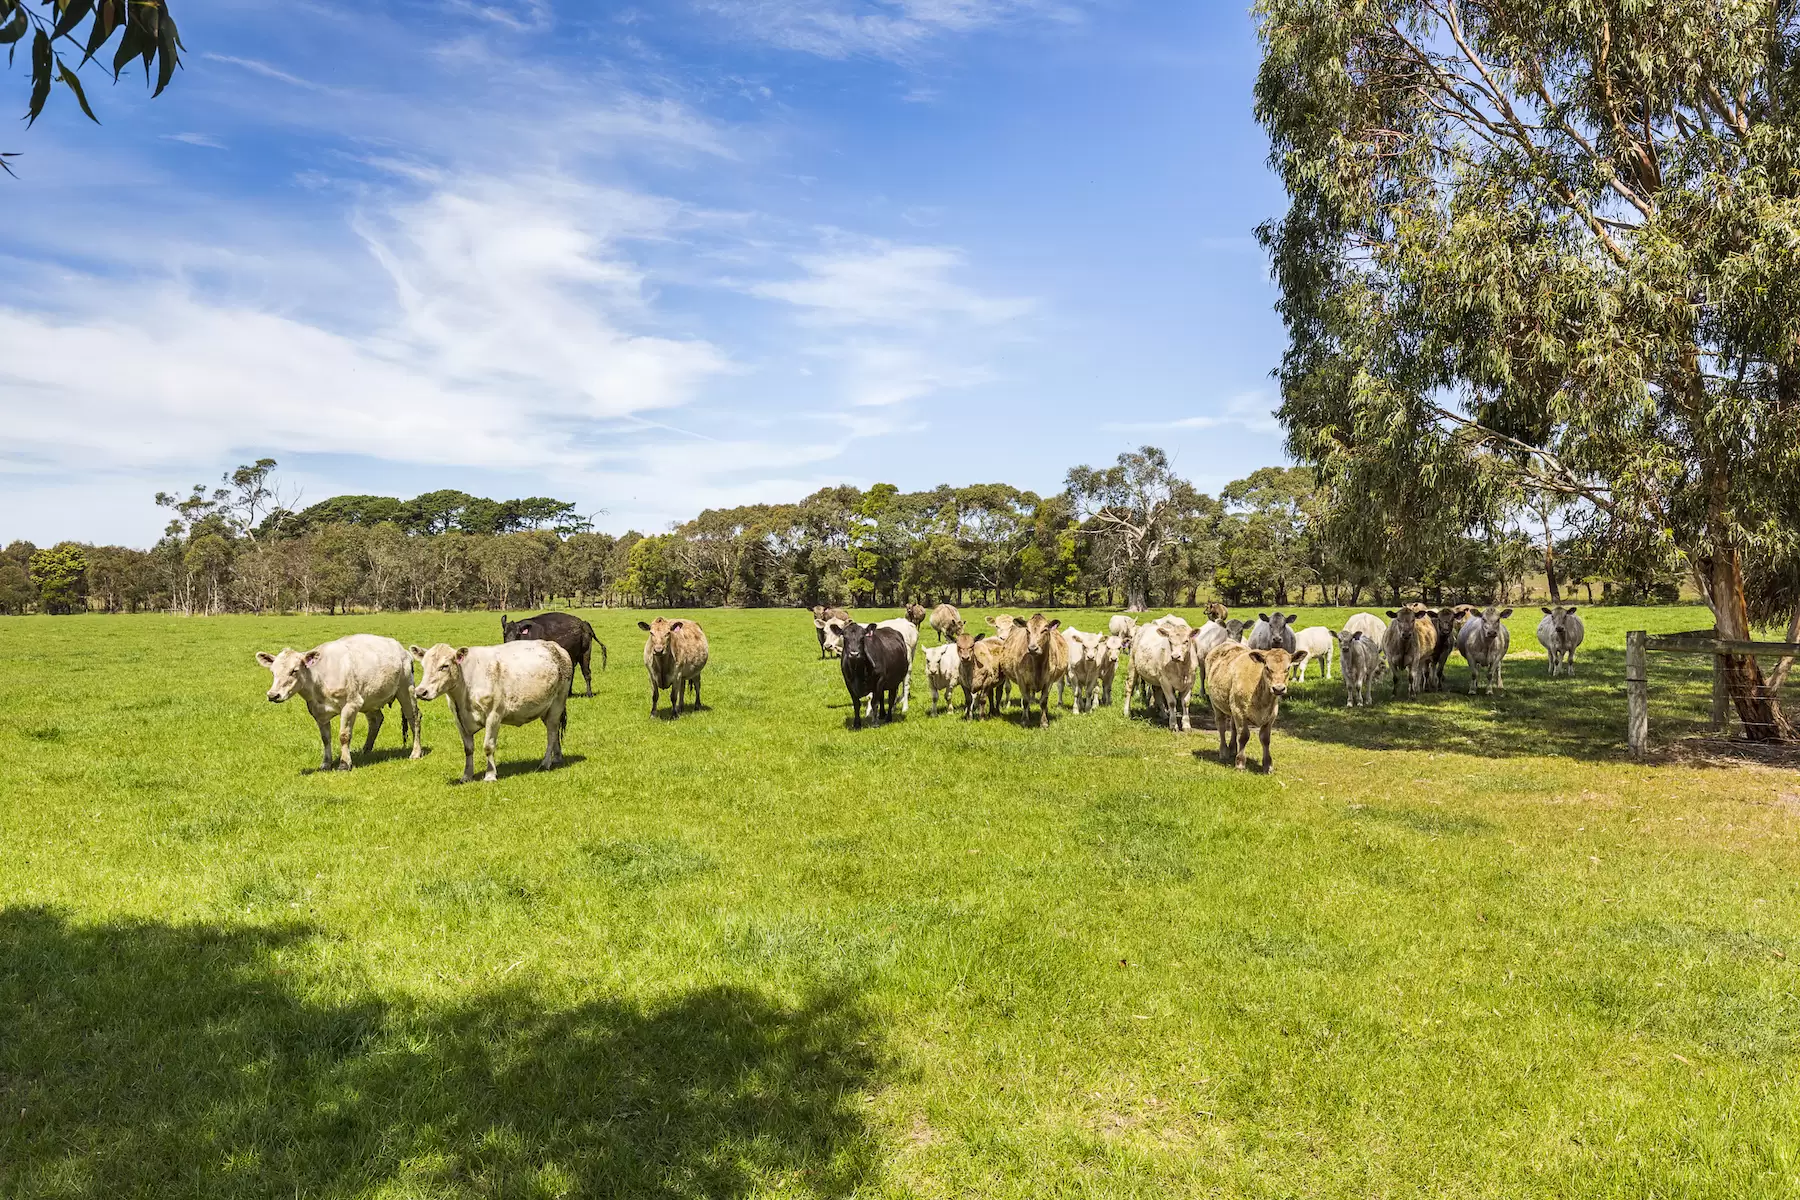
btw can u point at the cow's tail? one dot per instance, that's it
(596, 640)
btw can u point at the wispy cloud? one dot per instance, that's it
(880, 283)
(258, 67)
(894, 29)
(196, 139)
(901, 324)
(1252, 412)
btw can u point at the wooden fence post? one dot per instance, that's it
(1637, 694)
(1719, 706)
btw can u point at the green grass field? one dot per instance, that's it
(1451, 947)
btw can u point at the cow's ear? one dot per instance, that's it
(981, 635)
(265, 658)
(1546, 612)
(1570, 610)
(644, 625)
(416, 652)
(1506, 612)
(1262, 617)
(675, 626)
(312, 656)
(1260, 657)
(462, 653)
(1299, 657)
(1056, 624)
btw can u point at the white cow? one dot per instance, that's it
(909, 633)
(362, 673)
(1163, 657)
(1318, 642)
(1086, 651)
(1110, 650)
(1359, 655)
(489, 686)
(1560, 633)
(1483, 641)
(1122, 626)
(943, 671)
(1213, 633)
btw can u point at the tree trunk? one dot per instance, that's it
(1722, 577)
(1550, 559)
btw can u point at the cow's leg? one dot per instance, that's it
(1130, 683)
(346, 729)
(587, 672)
(1224, 724)
(1187, 723)
(905, 690)
(1497, 676)
(324, 742)
(468, 739)
(376, 717)
(554, 721)
(1264, 733)
(491, 736)
(409, 712)
(654, 693)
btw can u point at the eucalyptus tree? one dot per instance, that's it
(1141, 509)
(1550, 248)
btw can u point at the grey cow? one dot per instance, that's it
(1483, 641)
(1560, 633)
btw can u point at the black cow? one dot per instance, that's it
(571, 633)
(875, 663)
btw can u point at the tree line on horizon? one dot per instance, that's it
(1133, 534)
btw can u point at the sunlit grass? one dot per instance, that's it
(1456, 946)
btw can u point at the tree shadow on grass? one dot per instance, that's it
(1581, 717)
(146, 1059)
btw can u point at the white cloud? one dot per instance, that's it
(513, 323)
(258, 67)
(892, 29)
(903, 326)
(196, 139)
(879, 283)
(1253, 412)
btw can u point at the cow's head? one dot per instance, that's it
(1490, 631)
(1115, 645)
(1348, 638)
(853, 640)
(832, 635)
(916, 613)
(1217, 612)
(517, 631)
(441, 669)
(661, 632)
(1003, 624)
(1234, 628)
(965, 646)
(1559, 621)
(287, 670)
(1275, 665)
(1035, 633)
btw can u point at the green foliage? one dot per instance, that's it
(149, 36)
(60, 574)
(1546, 249)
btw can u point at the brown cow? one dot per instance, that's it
(947, 621)
(1246, 687)
(1036, 657)
(674, 655)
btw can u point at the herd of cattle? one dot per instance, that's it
(1242, 669)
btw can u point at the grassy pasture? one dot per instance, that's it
(1454, 946)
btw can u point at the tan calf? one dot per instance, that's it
(1246, 687)
(674, 655)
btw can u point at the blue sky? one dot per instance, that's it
(650, 259)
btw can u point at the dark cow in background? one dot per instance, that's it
(875, 662)
(570, 632)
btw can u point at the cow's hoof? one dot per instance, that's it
(417, 754)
